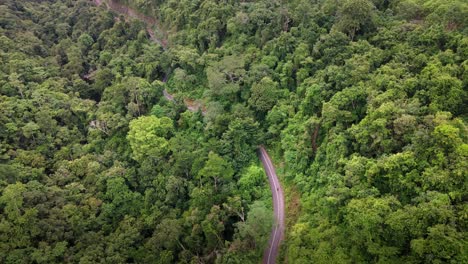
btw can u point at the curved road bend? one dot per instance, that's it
(168, 96)
(277, 232)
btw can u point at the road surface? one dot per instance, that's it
(168, 96)
(150, 24)
(277, 232)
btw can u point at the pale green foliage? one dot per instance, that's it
(224, 76)
(253, 232)
(148, 137)
(252, 183)
(217, 169)
(362, 102)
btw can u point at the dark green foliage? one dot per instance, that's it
(364, 100)
(87, 174)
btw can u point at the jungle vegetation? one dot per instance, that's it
(362, 102)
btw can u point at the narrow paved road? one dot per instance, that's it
(168, 96)
(277, 232)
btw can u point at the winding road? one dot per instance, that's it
(277, 233)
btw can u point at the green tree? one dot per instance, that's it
(254, 232)
(216, 169)
(264, 95)
(148, 137)
(355, 15)
(224, 77)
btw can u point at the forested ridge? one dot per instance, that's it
(363, 102)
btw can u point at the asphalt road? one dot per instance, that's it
(277, 233)
(168, 96)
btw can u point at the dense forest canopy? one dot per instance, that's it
(363, 102)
